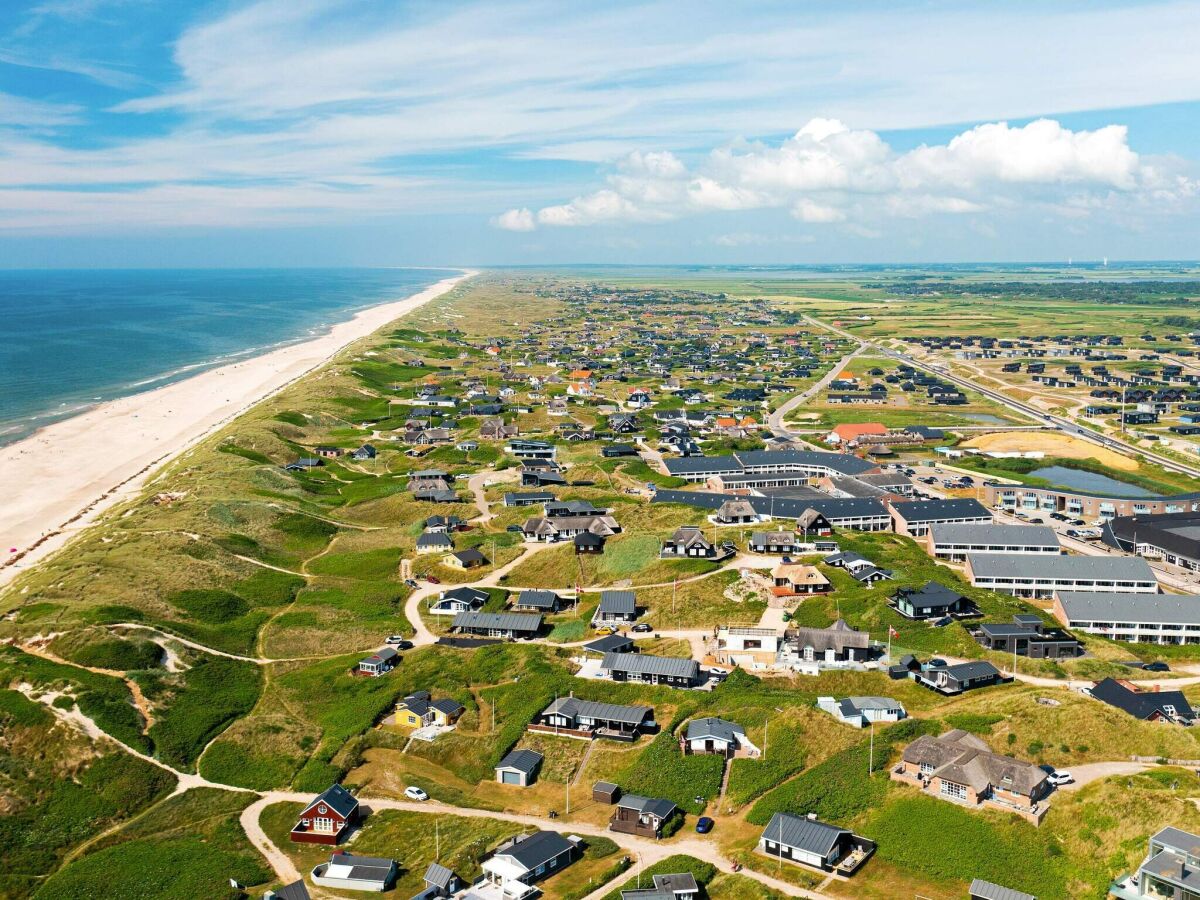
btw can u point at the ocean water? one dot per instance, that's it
(71, 339)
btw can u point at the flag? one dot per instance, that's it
(892, 632)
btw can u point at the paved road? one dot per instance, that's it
(775, 421)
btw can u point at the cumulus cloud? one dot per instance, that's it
(828, 173)
(516, 220)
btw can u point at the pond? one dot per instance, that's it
(1091, 482)
(984, 418)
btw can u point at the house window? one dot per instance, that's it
(323, 824)
(926, 768)
(954, 791)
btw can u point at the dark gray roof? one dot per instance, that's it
(537, 849)
(297, 890)
(932, 510)
(986, 890)
(528, 622)
(1008, 535)
(592, 709)
(618, 602)
(537, 599)
(840, 463)
(466, 594)
(967, 670)
(678, 882)
(644, 664)
(434, 539)
(1024, 565)
(780, 507)
(338, 799)
(367, 868)
(525, 761)
(438, 876)
(1141, 704)
(651, 806)
(712, 727)
(802, 833)
(610, 643)
(933, 594)
(1109, 606)
(471, 554)
(1177, 533)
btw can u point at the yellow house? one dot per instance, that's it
(419, 709)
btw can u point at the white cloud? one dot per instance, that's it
(827, 173)
(516, 220)
(268, 98)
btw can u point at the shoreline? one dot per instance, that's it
(58, 480)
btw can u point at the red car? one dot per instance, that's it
(433, 579)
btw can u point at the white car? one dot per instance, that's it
(412, 792)
(1057, 778)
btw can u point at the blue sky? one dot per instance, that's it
(330, 132)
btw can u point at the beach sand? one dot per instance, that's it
(60, 479)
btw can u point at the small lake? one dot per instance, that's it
(1091, 482)
(984, 418)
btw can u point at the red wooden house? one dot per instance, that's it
(330, 816)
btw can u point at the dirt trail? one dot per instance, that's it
(34, 648)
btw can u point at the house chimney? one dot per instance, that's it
(812, 817)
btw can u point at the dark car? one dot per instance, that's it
(433, 579)
(704, 825)
(515, 529)
(1157, 666)
(642, 627)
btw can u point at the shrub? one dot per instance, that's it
(252, 455)
(703, 872)
(976, 723)
(210, 605)
(215, 691)
(117, 654)
(839, 788)
(292, 418)
(661, 770)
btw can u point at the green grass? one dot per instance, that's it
(661, 770)
(59, 790)
(188, 847)
(839, 788)
(703, 872)
(212, 693)
(104, 699)
(955, 844)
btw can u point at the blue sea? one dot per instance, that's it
(71, 339)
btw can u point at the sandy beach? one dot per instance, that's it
(57, 481)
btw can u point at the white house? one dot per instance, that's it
(862, 711)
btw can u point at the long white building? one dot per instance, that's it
(1032, 575)
(1136, 618)
(954, 542)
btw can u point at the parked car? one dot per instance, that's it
(411, 582)
(394, 639)
(704, 825)
(433, 579)
(412, 792)
(1157, 666)
(514, 529)
(642, 627)
(606, 629)
(1057, 778)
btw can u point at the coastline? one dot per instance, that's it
(58, 480)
